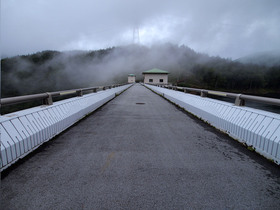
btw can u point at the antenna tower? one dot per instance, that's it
(136, 37)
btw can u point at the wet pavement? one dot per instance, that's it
(141, 152)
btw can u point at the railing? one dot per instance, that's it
(47, 98)
(239, 98)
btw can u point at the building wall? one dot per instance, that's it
(131, 79)
(156, 78)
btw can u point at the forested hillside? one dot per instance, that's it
(271, 58)
(52, 70)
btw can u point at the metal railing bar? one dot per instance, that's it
(272, 101)
(22, 99)
(44, 96)
(239, 98)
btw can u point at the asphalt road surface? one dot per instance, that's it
(141, 152)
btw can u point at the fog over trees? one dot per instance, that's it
(52, 70)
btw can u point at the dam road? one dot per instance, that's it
(141, 152)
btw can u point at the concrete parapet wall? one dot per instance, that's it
(24, 131)
(256, 128)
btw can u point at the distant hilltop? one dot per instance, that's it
(269, 59)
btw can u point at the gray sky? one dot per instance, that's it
(228, 28)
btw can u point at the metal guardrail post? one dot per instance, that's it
(239, 101)
(48, 100)
(203, 93)
(79, 92)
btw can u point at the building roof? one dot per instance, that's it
(155, 71)
(131, 75)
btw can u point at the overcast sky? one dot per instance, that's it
(228, 28)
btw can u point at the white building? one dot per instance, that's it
(131, 78)
(156, 76)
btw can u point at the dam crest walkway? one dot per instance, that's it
(139, 151)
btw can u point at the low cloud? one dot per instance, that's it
(231, 28)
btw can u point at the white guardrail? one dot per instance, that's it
(257, 129)
(24, 131)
